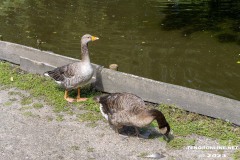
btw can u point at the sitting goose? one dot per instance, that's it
(125, 109)
(76, 74)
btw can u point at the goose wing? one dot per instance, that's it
(60, 73)
(117, 102)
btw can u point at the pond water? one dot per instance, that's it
(189, 43)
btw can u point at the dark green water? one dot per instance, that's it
(189, 43)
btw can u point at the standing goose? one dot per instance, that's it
(77, 74)
(125, 109)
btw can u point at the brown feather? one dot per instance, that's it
(130, 110)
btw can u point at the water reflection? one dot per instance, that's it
(220, 17)
(188, 43)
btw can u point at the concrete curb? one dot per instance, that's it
(106, 80)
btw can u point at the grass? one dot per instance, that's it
(12, 93)
(60, 118)
(38, 87)
(26, 101)
(182, 123)
(37, 105)
(179, 143)
(30, 114)
(236, 155)
(89, 117)
(8, 103)
(25, 108)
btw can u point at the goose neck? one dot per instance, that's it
(84, 52)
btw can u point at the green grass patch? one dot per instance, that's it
(236, 155)
(13, 93)
(179, 143)
(38, 86)
(89, 117)
(24, 108)
(60, 118)
(8, 103)
(91, 105)
(184, 123)
(30, 114)
(26, 101)
(37, 105)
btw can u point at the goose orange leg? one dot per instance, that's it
(68, 98)
(79, 99)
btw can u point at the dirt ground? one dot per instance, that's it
(30, 133)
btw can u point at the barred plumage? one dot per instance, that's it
(126, 109)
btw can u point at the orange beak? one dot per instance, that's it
(94, 38)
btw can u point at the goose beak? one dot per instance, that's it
(94, 38)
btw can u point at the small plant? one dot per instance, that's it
(59, 118)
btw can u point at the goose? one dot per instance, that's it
(126, 109)
(77, 74)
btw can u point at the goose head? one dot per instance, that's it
(88, 38)
(165, 130)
